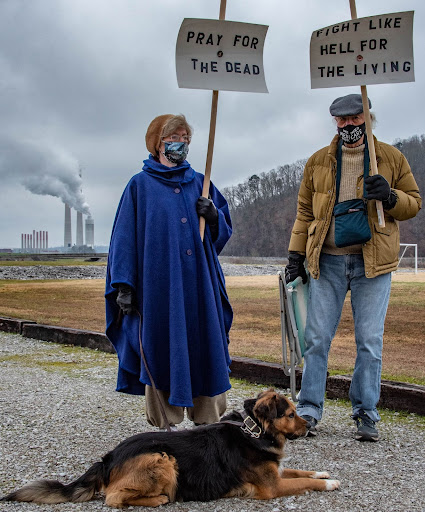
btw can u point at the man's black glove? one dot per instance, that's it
(125, 299)
(206, 208)
(377, 187)
(295, 267)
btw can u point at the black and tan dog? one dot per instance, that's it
(237, 457)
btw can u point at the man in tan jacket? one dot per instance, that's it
(338, 262)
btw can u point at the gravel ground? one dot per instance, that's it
(53, 272)
(60, 413)
(99, 272)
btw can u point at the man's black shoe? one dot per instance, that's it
(311, 425)
(366, 430)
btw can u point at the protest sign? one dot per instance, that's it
(220, 55)
(363, 51)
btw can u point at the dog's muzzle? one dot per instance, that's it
(291, 437)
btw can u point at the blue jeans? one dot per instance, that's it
(369, 302)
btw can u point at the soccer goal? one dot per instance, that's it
(405, 248)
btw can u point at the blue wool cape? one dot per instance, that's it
(179, 284)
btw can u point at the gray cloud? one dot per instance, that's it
(43, 169)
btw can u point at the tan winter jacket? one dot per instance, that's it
(316, 200)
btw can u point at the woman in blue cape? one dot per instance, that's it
(158, 266)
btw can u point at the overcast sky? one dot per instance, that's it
(80, 80)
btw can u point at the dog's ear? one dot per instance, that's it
(266, 392)
(266, 406)
(248, 405)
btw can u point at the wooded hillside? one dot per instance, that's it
(263, 207)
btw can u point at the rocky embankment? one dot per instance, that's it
(99, 272)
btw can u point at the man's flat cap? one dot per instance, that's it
(349, 105)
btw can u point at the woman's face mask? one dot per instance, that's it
(176, 152)
(351, 133)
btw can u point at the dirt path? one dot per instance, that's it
(272, 281)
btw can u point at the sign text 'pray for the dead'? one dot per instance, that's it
(220, 55)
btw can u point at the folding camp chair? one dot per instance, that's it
(293, 314)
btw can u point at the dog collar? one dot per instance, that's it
(250, 426)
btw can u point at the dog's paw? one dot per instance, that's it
(163, 499)
(155, 501)
(331, 485)
(320, 474)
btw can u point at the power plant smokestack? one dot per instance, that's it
(68, 232)
(79, 239)
(35, 243)
(90, 231)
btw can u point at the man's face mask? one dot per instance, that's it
(352, 134)
(176, 152)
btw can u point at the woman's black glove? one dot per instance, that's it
(295, 267)
(126, 299)
(206, 208)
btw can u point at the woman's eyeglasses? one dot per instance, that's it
(177, 138)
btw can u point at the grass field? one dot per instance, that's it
(256, 328)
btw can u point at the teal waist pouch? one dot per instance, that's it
(351, 221)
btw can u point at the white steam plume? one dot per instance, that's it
(43, 169)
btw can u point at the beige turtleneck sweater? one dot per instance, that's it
(351, 170)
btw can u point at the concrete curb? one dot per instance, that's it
(65, 336)
(394, 395)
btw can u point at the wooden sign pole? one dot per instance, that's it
(369, 133)
(213, 120)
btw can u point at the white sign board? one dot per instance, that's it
(363, 51)
(220, 55)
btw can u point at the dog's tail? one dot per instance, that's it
(52, 491)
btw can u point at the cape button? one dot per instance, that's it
(189, 252)
(183, 220)
(177, 190)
